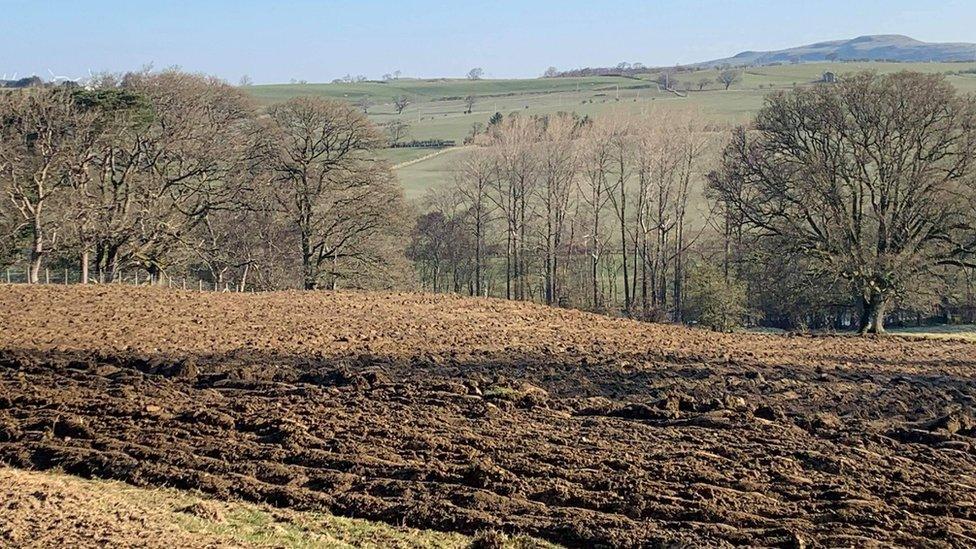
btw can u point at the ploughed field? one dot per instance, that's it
(469, 415)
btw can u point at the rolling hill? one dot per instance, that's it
(881, 47)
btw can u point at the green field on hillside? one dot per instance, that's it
(437, 109)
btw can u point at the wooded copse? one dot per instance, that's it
(172, 173)
(843, 204)
(571, 211)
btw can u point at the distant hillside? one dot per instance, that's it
(882, 47)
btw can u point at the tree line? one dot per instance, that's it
(173, 172)
(590, 213)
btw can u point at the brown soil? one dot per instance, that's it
(470, 415)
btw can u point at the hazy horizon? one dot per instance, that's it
(320, 41)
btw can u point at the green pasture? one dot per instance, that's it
(438, 109)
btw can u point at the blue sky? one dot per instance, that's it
(319, 41)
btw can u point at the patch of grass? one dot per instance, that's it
(257, 526)
(417, 178)
(115, 510)
(950, 331)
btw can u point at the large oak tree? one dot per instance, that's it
(329, 187)
(870, 179)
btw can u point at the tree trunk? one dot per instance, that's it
(37, 252)
(873, 314)
(520, 282)
(549, 251)
(34, 274)
(477, 255)
(84, 266)
(623, 250)
(243, 283)
(112, 262)
(309, 271)
(508, 264)
(678, 269)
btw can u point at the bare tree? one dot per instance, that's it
(558, 166)
(513, 140)
(476, 73)
(473, 182)
(396, 130)
(400, 102)
(665, 79)
(42, 132)
(703, 82)
(619, 133)
(729, 77)
(870, 179)
(469, 103)
(364, 103)
(164, 170)
(597, 163)
(668, 147)
(551, 72)
(690, 144)
(340, 202)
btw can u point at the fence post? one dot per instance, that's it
(137, 278)
(66, 277)
(8, 275)
(184, 282)
(200, 284)
(47, 276)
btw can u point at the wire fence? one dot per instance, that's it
(65, 277)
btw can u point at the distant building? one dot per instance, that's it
(829, 78)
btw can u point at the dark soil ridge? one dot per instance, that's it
(634, 451)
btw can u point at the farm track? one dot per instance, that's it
(427, 157)
(461, 414)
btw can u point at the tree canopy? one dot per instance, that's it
(870, 179)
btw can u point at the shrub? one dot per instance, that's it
(714, 301)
